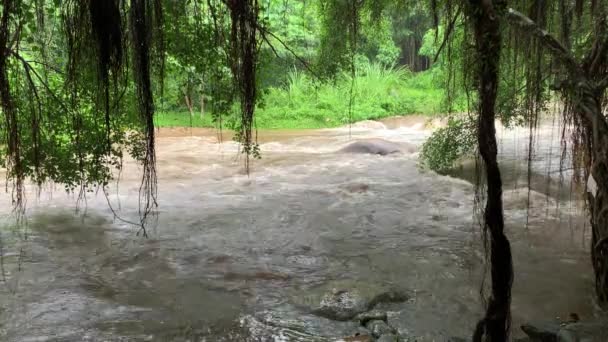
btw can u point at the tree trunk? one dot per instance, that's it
(495, 325)
(202, 99)
(7, 104)
(188, 103)
(597, 196)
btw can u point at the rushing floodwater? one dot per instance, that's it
(228, 246)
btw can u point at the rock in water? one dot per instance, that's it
(344, 300)
(569, 332)
(583, 332)
(379, 328)
(542, 331)
(374, 315)
(357, 338)
(287, 324)
(375, 146)
(388, 338)
(342, 305)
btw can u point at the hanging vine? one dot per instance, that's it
(244, 62)
(12, 130)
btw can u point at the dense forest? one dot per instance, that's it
(83, 84)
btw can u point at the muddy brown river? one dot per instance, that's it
(229, 248)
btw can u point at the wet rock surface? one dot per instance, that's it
(567, 332)
(379, 328)
(375, 146)
(287, 325)
(358, 338)
(371, 316)
(542, 331)
(344, 300)
(341, 305)
(388, 338)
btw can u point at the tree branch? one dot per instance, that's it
(28, 68)
(447, 35)
(263, 31)
(577, 76)
(553, 45)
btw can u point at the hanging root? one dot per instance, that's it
(244, 62)
(106, 26)
(15, 171)
(142, 15)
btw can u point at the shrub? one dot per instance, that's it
(446, 145)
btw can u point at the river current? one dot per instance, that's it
(229, 247)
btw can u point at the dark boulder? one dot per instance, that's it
(542, 331)
(376, 146)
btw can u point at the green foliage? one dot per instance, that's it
(378, 92)
(183, 119)
(306, 103)
(447, 144)
(377, 42)
(447, 71)
(77, 141)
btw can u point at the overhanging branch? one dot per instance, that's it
(265, 33)
(577, 76)
(556, 49)
(447, 35)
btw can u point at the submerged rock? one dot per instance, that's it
(357, 338)
(568, 332)
(376, 146)
(342, 305)
(379, 328)
(583, 332)
(289, 325)
(362, 331)
(374, 315)
(388, 338)
(344, 300)
(542, 331)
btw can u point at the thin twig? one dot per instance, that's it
(263, 31)
(447, 34)
(47, 65)
(46, 86)
(114, 212)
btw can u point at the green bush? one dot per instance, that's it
(446, 145)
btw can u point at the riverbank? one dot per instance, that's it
(178, 125)
(173, 119)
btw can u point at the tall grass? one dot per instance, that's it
(378, 92)
(304, 102)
